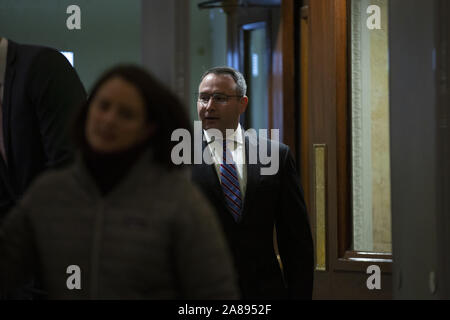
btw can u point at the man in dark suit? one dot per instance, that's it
(250, 204)
(39, 91)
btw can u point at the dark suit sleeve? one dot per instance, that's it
(56, 92)
(17, 251)
(293, 232)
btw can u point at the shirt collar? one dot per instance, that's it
(3, 54)
(236, 136)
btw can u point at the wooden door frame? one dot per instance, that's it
(283, 106)
(329, 124)
(240, 20)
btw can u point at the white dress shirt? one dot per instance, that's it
(235, 143)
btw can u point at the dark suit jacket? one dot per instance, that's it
(41, 92)
(269, 200)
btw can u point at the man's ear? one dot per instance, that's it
(244, 103)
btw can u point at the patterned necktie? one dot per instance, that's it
(230, 184)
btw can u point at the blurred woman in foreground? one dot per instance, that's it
(122, 222)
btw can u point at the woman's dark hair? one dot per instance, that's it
(163, 108)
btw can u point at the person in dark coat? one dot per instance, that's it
(39, 93)
(122, 222)
(250, 201)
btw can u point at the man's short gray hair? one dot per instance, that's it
(241, 85)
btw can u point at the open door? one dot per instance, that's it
(345, 134)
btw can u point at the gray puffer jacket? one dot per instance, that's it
(152, 237)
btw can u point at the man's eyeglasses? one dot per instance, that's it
(219, 98)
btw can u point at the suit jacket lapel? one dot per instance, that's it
(253, 175)
(206, 175)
